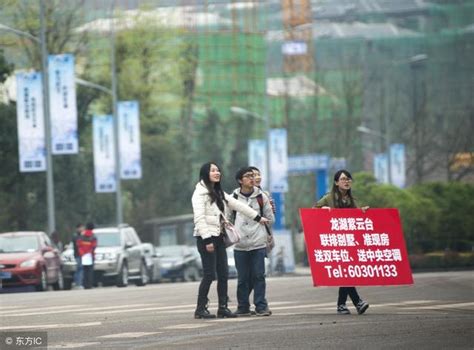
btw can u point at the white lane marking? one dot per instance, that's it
(271, 306)
(283, 302)
(41, 309)
(236, 319)
(129, 335)
(409, 302)
(73, 308)
(50, 326)
(71, 345)
(186, 326)
(443, 306)
(300, 306)
(162, 308)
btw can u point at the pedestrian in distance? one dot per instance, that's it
(258, 182)
(341, 197)
(78, 273)
(210, 204)
(58, 244)
(250, 252)
(86, 245)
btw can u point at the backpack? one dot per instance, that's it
(260, 204)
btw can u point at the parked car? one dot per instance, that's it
(179, 262)
(231, 263)
(153, 263)
(233, 269)
(119, 257)
(29, 259)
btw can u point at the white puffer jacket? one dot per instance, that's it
(207, 214)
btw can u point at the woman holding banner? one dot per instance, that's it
(341, 197)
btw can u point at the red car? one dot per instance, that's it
(29, 259)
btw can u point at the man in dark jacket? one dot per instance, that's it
(78, 273)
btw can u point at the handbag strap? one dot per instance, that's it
(224, 218)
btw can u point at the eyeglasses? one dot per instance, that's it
(345, 179)
(250, 176)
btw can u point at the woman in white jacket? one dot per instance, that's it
(210, 202)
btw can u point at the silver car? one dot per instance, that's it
(119, 257)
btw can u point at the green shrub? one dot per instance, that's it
(419, 215)
(456, 204)
(436, 260)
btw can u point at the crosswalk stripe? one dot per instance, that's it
(161, 308)
(187, 326)
(50, 326)
(42, 309)
(129, 335)
(71, 345)
(445, 306)
(71, 308)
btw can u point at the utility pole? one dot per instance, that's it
(47, 124)
(118, 187)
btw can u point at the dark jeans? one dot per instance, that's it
(344, 292)
(251, 274)
(88, 273)
(78, 272)
(213, 263)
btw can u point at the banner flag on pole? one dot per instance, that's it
(104, 156)
(381, 167)
(278, 160)
(397, 165)
(129, 140)
(257, 156)
(30, 118)
(62, 104)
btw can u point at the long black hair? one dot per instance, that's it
(215, 191)
(336, 194)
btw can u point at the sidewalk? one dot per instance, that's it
(299, 271)
(302, 270)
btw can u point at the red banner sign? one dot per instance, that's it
(347, 247)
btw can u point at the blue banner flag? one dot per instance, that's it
(104, 156)
(129, 140)
(278, 160)
(397, 165)
(63, 111)
(30, 118)
(381, 167)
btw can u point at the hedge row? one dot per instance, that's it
(448, 259)
(435, 216)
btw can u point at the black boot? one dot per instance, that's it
(224, 312)
(201, 309)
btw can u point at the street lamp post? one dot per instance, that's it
(416, 63)
(245, 112)
(386, 138)
(118, 190)
(47, 125)
(47, 118)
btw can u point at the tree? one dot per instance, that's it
(61, 20)
(155, 66)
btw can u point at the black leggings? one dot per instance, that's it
(344, 292)
(213, 263)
